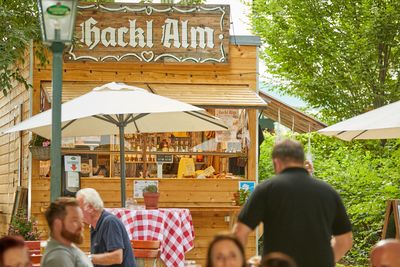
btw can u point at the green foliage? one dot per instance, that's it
(243, 196)
(20, 225)
(19, 25)
(340, 56)
(150, 189)
(364, 173)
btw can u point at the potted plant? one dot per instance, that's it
(151, 195)
(22, 226)
(241, 196)
(40, 147)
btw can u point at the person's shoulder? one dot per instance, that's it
(276, 179)
(323, 185)
(266, 185)
(58, 256)
(111, 219)
(108, 216)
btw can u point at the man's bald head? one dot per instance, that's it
(386, 253)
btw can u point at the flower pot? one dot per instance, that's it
(236, 198)
(151, 200)
(40, 152)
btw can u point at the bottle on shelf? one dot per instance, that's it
(200, 158)
(164, 146)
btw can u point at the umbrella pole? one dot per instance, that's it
(122, 162)
(144, 156)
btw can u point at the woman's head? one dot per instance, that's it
(277, 259)
(13, 252)
(226, 251)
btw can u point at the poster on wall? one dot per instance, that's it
(72, 163)
(231, 118)
(247, 186)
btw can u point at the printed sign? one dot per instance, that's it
(247, 185)
(151, 33)
(72, 163)
(72, 179)
(162, 158)
(231, 118)
(138, 187)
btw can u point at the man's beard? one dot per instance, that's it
(76, 238)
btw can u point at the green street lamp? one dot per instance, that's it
(57, 20)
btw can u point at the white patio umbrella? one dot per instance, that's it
(380, 123)
(116, 108)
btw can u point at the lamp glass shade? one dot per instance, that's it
(57, 20)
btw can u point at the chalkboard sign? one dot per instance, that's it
(163, 158)
(391, 226)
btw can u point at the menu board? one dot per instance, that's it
(163, 158)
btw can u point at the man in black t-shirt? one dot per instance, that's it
(303, 217)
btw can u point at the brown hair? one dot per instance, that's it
(9, 242)
(222, 237)
(58, 209)
(277, 259)
(288, 150)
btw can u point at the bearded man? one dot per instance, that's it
(65, 220)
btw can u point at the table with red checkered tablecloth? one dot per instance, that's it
(172, 227)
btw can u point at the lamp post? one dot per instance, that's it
(57, 20)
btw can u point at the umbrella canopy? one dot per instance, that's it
(116, 108)
(142, 112)
(380, 123)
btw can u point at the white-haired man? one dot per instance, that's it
(110, 244)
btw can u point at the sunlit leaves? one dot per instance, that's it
(340, 56)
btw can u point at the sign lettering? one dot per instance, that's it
(151, 33)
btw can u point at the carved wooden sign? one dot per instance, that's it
(156, 33)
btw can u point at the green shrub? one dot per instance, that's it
(21, 225)
(365, 173)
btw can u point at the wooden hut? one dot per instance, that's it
(184, 53)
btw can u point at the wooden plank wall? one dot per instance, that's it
(14, 107)
(191, 193)
(241, 70)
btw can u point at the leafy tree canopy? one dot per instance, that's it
(18, 25)
(341, 56)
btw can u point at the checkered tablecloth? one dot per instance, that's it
(173, 227)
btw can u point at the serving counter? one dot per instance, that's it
(210, 202)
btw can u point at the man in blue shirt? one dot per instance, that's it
(110, 244)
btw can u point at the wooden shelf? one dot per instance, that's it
(137, 162)
(114, 152)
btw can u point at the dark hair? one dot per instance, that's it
(58, 209)
(222, 237)
(8, 242)
(277, 259)
(288, 150)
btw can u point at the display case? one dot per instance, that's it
(205, 154)
(104, 160)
